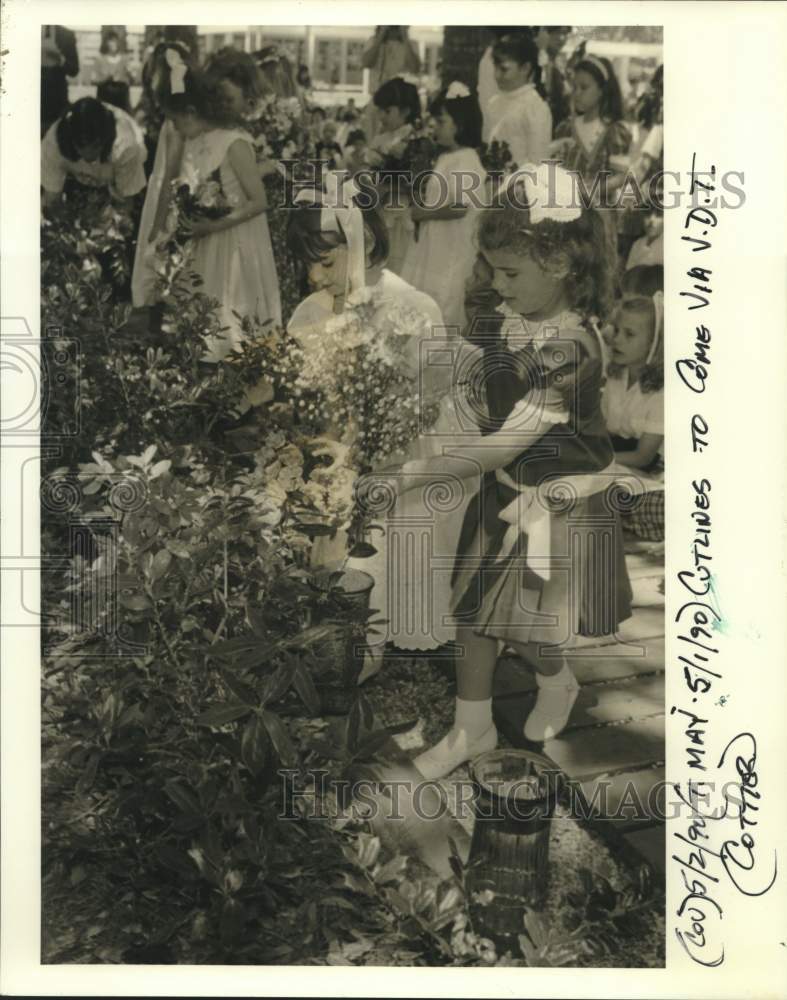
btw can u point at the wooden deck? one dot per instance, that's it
(614, 743)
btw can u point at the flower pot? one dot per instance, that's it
(516, 792)
(343, 655)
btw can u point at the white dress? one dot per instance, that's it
(441, 259)
(236, 264)
(414, 559)
(521, 118)
(143, 277)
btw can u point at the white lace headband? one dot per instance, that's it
(550, 192)
(339, 213)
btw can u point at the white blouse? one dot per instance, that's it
(123, 172)
(629, 412)
(521, 118)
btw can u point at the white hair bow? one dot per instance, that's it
(339, 213)
(550, 192)
(457, 89)
(177, 71)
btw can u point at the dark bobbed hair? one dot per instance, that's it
(611, 108)
(237, 67)
(357, 135)
(643, 280)
(86, 121)
(308, 242)
(651, 378)
(398, 93)
(581, 245)
(103, 49)
(521, 48)
(466, 114)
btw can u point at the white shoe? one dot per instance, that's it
(454, 749)
(551, 712)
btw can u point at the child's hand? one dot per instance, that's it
(196, 227)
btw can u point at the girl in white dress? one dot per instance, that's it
(233, 254)
(166, 167)
(345, 250)
(517, 113)
(441, 258)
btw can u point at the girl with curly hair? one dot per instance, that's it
(540, 558)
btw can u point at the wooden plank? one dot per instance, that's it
(650, 844)
(513, 675)
(645, 623)
(630, 800)
(583, 753)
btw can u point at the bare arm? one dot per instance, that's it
(641, 456)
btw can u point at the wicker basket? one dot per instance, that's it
(509, 852)
(343, 655)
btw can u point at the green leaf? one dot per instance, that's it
(178, 548)
(254, 745)
(307, 692)
(161, 563)
(242, 691)
(278, 684)
(353, 726)
(220, 715)
(183, 798)
(280, 738)
(392, 871)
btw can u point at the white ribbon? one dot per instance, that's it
(339, 213)
(177, 71)
(550, 192)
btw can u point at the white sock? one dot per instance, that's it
(563, 677)
(474, 717)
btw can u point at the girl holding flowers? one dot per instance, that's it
(232, 253)
(362, 331)
(440, 259)
(527, 573)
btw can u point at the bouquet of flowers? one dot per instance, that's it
(363, 375)
(276, 129)
(496, 157)
(194, 199)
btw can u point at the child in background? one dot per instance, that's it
(633, 403)
(355, 152)
(241, 86)
(233, 254)
(96, 145)
(518, 113)
(399, 108)
(648, 250)
(440, 259)
(552, 274)
(595, 139)
(328, 148)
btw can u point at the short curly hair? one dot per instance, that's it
(581, 244)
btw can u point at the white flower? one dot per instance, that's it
(457, 89)
(550, 192)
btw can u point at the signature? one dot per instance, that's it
(699, 913)
(738, 856)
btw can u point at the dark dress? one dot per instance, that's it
(504, 594)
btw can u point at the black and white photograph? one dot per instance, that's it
(355, 618)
